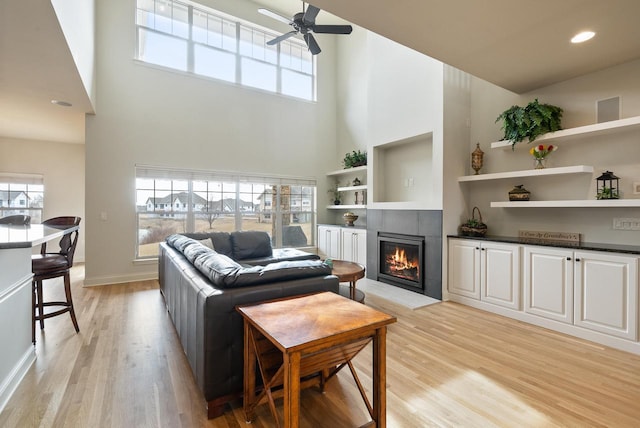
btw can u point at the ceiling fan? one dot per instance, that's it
(305, 24)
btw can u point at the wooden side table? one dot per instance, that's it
(349, 272)
(310, 337)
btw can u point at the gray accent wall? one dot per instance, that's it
(426, 223)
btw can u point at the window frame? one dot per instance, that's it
(235, 180)
(24, 207)
(281, 68)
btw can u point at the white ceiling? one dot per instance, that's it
(520, 45)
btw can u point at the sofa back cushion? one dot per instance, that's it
(250, 244)
(221, 241)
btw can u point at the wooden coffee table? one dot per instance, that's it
(349, 272)
(311, 338)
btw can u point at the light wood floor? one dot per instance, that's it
(447, 365)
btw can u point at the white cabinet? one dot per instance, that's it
(329, 244)
(606, 293)
(488, 271)
(354, 245)
(593, 290)
(548, 283)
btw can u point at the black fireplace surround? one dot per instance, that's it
(424, 228)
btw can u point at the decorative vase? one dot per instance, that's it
(349, 217)
(539, 163)
(519, 193)
(476, 159)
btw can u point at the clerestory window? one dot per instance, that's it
(195, 39)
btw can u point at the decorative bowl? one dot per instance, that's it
(349, 218)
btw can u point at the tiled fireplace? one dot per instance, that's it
(404, 249)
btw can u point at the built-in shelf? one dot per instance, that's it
(352, 188)
(581, 131)
(578, 169)
(349, 170)
(346, 207)
(587, 203)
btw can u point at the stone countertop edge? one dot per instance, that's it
(590, 246)
(29, 236)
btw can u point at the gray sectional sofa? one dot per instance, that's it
(202, 286)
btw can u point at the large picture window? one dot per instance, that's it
(178, 201)
(22, 194)
(192, 38)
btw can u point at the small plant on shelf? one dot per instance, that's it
(354, 159)
(530, 122)
(337, 197)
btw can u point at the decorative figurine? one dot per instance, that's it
(476, 159)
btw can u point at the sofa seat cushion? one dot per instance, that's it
(250, 244)
(280, 255)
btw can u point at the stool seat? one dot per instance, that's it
(43, 264)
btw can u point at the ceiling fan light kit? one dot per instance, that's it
(304, 23)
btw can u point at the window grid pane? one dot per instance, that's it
(165, 206)
(165, 39)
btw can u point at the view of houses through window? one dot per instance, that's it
(170, 202)
(192, 38)
(22, 194)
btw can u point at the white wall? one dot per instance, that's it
(389, 93)
(63, 168)
(618, 152)
(148, 115)
(77, 20)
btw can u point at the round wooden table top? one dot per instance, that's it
(347, 271)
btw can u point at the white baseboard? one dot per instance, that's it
(14, 378)
(119, 279)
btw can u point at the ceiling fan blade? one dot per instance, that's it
(282, 37)
(309, 17)
(332, 29)
(312, 44)
(267, 12)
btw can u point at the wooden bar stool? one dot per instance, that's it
(52, 265)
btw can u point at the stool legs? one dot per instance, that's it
(38, 305)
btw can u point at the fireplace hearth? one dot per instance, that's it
(401, 260)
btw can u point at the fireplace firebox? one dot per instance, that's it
(401, 260)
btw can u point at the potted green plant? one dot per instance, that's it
(530, 122)
(355, 158)
(337, 197)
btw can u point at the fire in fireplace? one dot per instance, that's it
(401, 260)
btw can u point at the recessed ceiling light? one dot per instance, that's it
(582, 37)
(61, 103)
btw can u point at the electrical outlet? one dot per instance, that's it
(626, 223)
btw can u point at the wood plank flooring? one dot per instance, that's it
(447, 366)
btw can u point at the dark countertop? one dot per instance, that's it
(591, 246)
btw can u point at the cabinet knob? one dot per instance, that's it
(477, 248)
(569, 258)
(481, 249)
(577, 260)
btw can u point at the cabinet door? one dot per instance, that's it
(464, 268)
(606, 293)
(329, 242)
(548, 283)
(354, 245)
(500, 274)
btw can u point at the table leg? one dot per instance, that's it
(291, 390)
(352, 290)
(380, 377)
(249, 373)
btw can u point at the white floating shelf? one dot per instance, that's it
(578, 169)
(587, 203)
(346, 207)
(349, 170)
(581, 131)
(351, 188)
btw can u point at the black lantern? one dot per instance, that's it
(607, 186)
